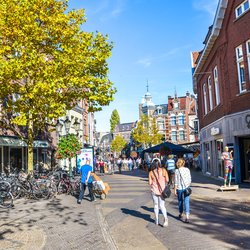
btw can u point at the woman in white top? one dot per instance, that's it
(182, 181)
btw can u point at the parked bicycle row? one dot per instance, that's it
(36, 186)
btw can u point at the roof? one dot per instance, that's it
(211, 37)
(122, 127)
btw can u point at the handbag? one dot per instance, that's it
(164, 193)
(188, 190)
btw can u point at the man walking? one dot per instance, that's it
(86, 180)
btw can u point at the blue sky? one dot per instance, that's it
(152, 42)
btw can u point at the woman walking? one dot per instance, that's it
(182, 182)
(158, 177)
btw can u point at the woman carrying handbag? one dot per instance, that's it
(158, 177)
(182, 183)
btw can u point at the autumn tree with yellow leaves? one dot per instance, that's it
(146, 132)
(48, 64)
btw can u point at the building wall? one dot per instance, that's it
(227, 123)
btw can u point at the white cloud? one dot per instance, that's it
(207, 6)
(146, 62)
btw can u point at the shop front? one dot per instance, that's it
(234, 132)
(13, 153)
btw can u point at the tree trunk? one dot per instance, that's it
(30, 145)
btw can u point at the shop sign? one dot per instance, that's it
(215, 131)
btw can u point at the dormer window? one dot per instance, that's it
(159, 110)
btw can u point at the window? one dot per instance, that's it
(210, 93)
(242, 8)
(173, 120)
(174, 135)
(180, 119)
(159, 110)
(216, 85)
(205, 98)
(248, 56)
(241, 69)
(182, 135)
(160, 125)
(176, 105)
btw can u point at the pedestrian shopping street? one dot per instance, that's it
(125, 219)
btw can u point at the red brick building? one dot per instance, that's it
(221, 79)
(182, 120)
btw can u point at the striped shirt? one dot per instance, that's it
(170, 164)
(182, 178)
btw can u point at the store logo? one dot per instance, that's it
(247, 119)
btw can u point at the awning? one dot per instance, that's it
(175, 149)
(15, 142)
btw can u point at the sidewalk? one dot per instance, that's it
(53, 224)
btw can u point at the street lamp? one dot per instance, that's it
(76, 126)
(67, 123)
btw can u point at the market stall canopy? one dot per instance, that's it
(175, 149)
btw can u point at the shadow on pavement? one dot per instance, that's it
(137, 214)
(222, 220)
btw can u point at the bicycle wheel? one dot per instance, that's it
(6, 199)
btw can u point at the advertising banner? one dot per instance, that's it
(84, 155)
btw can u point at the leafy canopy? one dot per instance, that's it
(49, 63)
(118, 144)
(114, 120)
(146, 133)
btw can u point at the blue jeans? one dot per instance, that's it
(82, 191)
(183, 198)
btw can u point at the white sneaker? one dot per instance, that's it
(165, 224)
(156, 222)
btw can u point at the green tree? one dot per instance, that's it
(146, 132)
(48, 63)
(118, 144)
(114, 120)
(67, 148)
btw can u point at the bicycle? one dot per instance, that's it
(6, 197)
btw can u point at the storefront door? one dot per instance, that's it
(219, 150)
(244, 144)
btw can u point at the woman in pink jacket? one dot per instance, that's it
(158, 177)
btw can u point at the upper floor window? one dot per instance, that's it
(241, 69)
(216, 86)
(174, 135)
(160, 125)
(182, 135)
(209, 82)
(242, 8)
(205, 98)
(180, 119)
(173, 119)
(176, 105)
(248, 56)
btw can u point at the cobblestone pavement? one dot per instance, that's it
(125, 220)
(53, 224)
